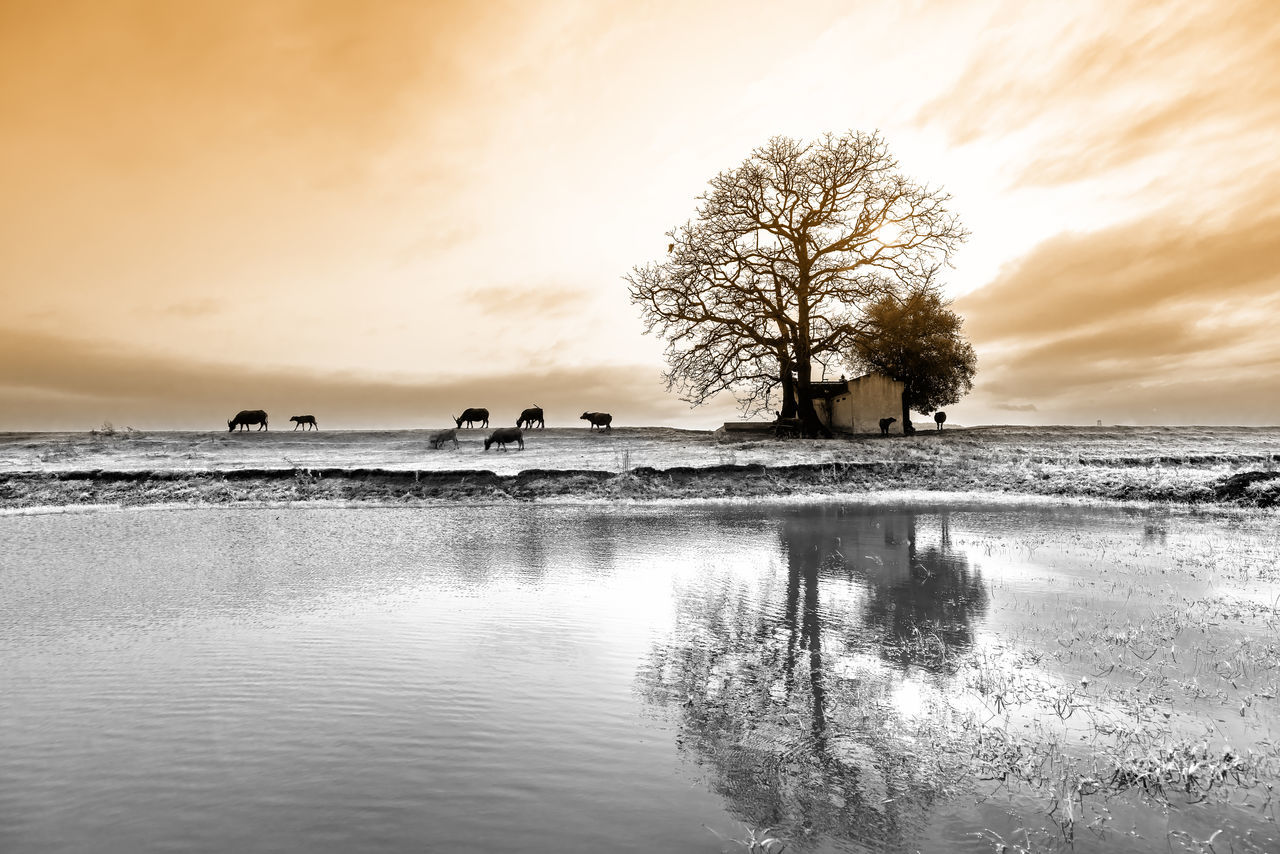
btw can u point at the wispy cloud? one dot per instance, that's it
(1141, 311)
(195, 79)
(1103, 86)
(193, 308)
(530, 300)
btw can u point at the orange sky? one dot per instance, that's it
(381, 212)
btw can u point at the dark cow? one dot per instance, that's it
(438, 439)
(245, 417)
(940, 417)
(470, 416)
(884, 425)
(504, 435)
(529, 416)
(602, 420)
(306, 422)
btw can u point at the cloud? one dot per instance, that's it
(1131, 318)
(55, 382)
(530, 301)
(1016, 407)
(151, 82)
(156, 151)
(1165, 259)
(194, 308)
(1163, 118)
(1105, 87)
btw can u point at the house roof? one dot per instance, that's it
(828, 389)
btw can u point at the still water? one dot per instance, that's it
(550, 679)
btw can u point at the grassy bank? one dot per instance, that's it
(1159, 483)
(1188, 465)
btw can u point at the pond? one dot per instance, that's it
(639, 678)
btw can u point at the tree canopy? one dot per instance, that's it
(773, 274)
(917, 340)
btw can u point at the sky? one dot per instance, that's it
(382, 213)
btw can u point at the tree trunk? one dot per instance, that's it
(813, 426)
(789, 406)
(790, 617)
(811, 632)
(907, 429)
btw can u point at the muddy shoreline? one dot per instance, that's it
(1112, 482)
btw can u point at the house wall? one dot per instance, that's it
(869, 399)
(826, 412)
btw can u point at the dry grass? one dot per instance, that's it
(1182, 465)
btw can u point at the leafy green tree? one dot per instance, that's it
(917, 340)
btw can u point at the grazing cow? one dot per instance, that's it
(529, 416)
(602, 420)
(306, 422)
(472, 415)
(940, 417)
(245, 417)
(884, 425)
(503, 435)
(438, 439)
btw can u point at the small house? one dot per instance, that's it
(847, 406)
(857, 405)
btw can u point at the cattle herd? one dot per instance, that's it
(471, 417)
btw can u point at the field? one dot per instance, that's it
(1190, 465)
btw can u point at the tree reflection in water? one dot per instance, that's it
(794, 707)
(926, 618)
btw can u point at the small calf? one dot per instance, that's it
(503, 436)
(601, 420)
(884, 425)
(306, 422)
(438, 439)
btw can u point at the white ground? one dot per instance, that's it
(623, 448)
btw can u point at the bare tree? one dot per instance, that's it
(772, 275)
(721, 337)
